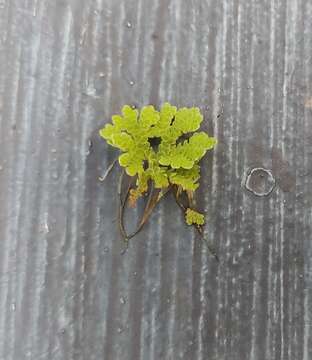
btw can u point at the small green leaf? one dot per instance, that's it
(134, 167)
(123, 141)
(188, 120)
(167, 113)
(193, 217)
(129, 113)
(124, 159)
(187, 179)
(107, 132)
(148, 116)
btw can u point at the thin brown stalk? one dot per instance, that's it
(197, 227)
(122, 204)
(154, 198)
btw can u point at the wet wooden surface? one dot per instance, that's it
(66, 292)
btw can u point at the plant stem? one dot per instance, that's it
(121, 207)
(153, 200)
(197, 227)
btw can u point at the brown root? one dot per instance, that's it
(199, 228)
(155, 195)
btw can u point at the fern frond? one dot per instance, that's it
(154, 148)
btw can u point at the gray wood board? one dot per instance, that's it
(66, 292)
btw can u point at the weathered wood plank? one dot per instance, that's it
(66, 292)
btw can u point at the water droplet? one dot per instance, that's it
(46, 228)
(131, 82)
(1, 167)
(122, 300)
(106, 249)
(63, 331)
(135, 273)
(55, 175)
(129, 25)
(53, 151)
(101, 74)
(90, 147)
(133, 107)
(119, 330)
(90, 91)
(13, 307)
(259, 181)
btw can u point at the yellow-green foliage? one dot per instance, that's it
(175, 158)
(193, 217)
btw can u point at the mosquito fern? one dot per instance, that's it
(161, 149)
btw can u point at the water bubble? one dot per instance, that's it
(101, 74)
(90, 147)
(119, 330)
(122, 300)
(259, 181)
(13, 307)
(45, 228)
(90, 91)
(131, 82)
(129, 25)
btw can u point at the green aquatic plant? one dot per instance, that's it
(160, 152)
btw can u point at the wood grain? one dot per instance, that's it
(66, 292)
